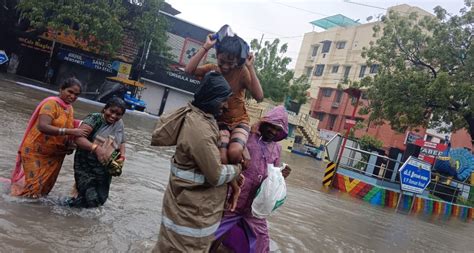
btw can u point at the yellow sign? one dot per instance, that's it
(37, 44)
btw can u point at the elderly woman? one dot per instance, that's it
(46, 143)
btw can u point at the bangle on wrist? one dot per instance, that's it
(205, 49)
(62, 131)
(94, 147)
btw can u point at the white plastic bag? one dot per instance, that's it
(271, 194)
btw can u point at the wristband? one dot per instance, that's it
(205, 49)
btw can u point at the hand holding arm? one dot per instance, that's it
(45, 126)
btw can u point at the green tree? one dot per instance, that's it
(96, 22)
(99, 23)
(426, 68)
(368, 142)
(298, 90)
(149, 26)
(271, 67)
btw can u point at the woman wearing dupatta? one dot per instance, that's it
(45, 143)
(96, 152)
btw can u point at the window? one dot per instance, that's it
(362, 70)
(353, 100)
(335, 68)
(338, 96)
(320, 116)
(347, 70)
(332, 121)
(308, 71)
(319, 70)
(327, 92)
(340, 44)
(374, 69)
(314, 52)
(326, 46)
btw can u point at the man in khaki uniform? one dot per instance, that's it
(193, 203)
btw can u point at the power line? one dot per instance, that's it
(287, 37)
(366, 5)
(301, 9)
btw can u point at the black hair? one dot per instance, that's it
(235, 47)
(71, 82)
(230, 46)
(117, 102)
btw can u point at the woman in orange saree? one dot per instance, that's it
(45, 143)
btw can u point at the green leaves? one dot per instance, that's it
(298, 91)
(271, 66)
(426, 74)
(99, 23)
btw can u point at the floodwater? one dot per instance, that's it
(312, 219)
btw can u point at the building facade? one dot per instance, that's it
(332, 57)
(168, 87)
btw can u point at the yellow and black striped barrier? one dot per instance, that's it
(329, 174)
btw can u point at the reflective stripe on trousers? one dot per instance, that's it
(190, 175)
(187, 231)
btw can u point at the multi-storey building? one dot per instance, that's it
(332, 56)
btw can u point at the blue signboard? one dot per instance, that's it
(415, 175)
(3, 57)
(86, 61)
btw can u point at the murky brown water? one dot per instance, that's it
(312, 220)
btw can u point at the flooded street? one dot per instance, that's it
(312, 219)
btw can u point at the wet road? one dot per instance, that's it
(312, 219)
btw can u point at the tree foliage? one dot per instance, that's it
(99, 23)
(298, 90)
(426, 68)
(95, 22)
(144, 19)
(271, 66)
(368, 142)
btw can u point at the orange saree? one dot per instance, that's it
(40, 155)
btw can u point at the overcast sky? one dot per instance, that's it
(286, 19)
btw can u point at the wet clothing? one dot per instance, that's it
(226, 132)
(242, 231)
(238, 79)
(92, 178)
(41, 156)
(209, 97)
(193, 202)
